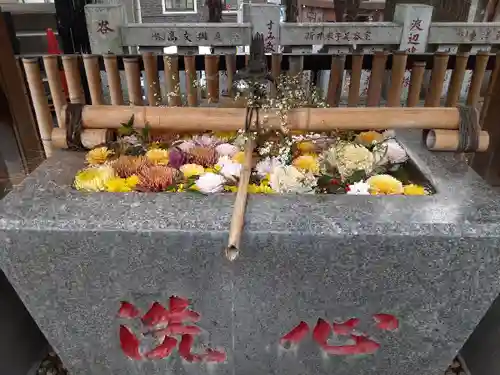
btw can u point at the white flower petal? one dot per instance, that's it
(210, 183)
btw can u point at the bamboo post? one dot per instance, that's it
(354, 84)
(173, 89)
(487, 97)
(448, 140)
(212, 77)
(433, 97)
(93, 73)
(55, 85)
(457, 79)
(114, 81)
(152, 80)
(40, 102)
(477, 78)
(133, 76)
(72, 73)
(376, 79)
(230, 70)
(397, 77)
(275, 71)
(416, 79)
(307, 119)
(238, 217)
(191, 80)
(335, 82)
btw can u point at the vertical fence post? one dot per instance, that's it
(416, 21)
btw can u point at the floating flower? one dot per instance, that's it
(307, 163)
(156, 178)
(396, 154)
(227, 149)
(209, 183)
(98, 155)
(369, 138)
(205, 140)
(288, 179)
(94, 178)
(158, 156)
(227, 167)
(226, 136)
(132, 140)
(265, 166)
(205, 156)
(359, 188)
(414, 190)
(348, 158)
(177, 157)
(126, 166)
(239, 157)
(259, 189)
(186, 145)
(191, 170)
(122, 185)
(306, 146)
(384, 184)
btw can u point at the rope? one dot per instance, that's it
(74, 126)
(468, 129)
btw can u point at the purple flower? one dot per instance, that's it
(176, 158)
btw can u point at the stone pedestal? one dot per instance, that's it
(428, 264)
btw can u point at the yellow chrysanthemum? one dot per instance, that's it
(226, 136)
(414, 190)
(370, 137)
(384, 184)
(298, 132)
(94, 178)
(98, 155)
(180, 188)
(305, 146)
(259, 189)
(307, 163)
(154, 145)
(239, 157)
(214, 169)
(121, 185)
(232, 189)
(157, 156)
(190, 170)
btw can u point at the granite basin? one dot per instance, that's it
(429, 264)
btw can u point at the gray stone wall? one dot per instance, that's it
(152, 12)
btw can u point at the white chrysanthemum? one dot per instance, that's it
(228, 167)
(396, 154)
(186, 146)
(348, 158)
(288, 179)
(209, 183)
(266, 166)
(131, 140)
(359, 188)
(205, 140)
(227, 149)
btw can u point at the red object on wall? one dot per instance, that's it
(53, 49)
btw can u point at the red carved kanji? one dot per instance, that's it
(164, 324)
(362, 344)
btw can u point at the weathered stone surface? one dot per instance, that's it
(431, 261)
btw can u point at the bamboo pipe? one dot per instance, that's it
(238, 217)
(355, 83)
(151, 70)
(93, 73)
(416, 78)
(133, 75)
(173, 89)
(90, 137)
(72, 73)
(55, 85)
(447, 140)
(457, 78)
(212, 77)
(232, 119)
(40, 103)
(397, 77)
(114, 81)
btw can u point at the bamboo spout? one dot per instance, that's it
(307, 119)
